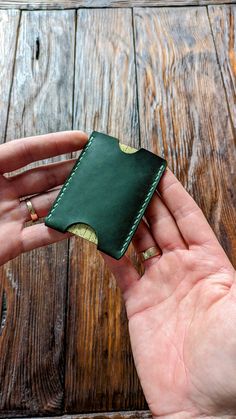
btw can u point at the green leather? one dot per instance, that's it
(108, 190)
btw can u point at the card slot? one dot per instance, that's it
(85, 231)
(127, 149)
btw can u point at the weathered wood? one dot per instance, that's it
(183, 110)
(141, 414)
(41, 99)
(9, 21)
(105, 90)
(184, 116)
(100, 375)
(69, 4)
(32, 341)
(223, 22)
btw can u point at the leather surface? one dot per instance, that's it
(108, 190)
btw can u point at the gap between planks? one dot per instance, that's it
(83, 4)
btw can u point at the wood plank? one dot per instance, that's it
(141, 414)
(69, 4)
(183, 110)
(32, 107)
(32, 341)
(223, 22)
(100, 375)
(9, 21)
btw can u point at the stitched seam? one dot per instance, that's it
(70, 178)
(153, 185)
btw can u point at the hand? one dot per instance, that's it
(15, 237)
(182, 311)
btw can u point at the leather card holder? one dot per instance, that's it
(107, 193)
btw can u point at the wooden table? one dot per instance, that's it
(158, 77)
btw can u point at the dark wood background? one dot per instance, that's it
(159, 77)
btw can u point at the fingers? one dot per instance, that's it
(19, 153)
(144, 240)
(124, 272)
(41, 204)
(38, 235)
(41, 178)
(190, 219)
(163, 226)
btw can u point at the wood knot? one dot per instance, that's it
(37, 48)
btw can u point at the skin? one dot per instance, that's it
(181, 311)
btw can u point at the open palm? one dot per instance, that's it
(182, 311)
(15, 236)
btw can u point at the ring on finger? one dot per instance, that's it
(33, 214)
(150, 252)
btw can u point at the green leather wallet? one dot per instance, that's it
(106, 194)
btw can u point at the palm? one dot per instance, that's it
(182, 315)
(179, 331)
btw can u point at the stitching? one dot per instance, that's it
(153, 185)
(70, 178)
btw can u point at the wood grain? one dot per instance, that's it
(183, 110)
(100, 375)
(68, 4)
(9, 19)
(142, 414)
(32, 341)
(41, 99)
(184, 115)
(8, 40)
(223, 22)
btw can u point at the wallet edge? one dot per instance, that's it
(142, 209)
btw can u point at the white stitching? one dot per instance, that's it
(71, 176)
(162, 168)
